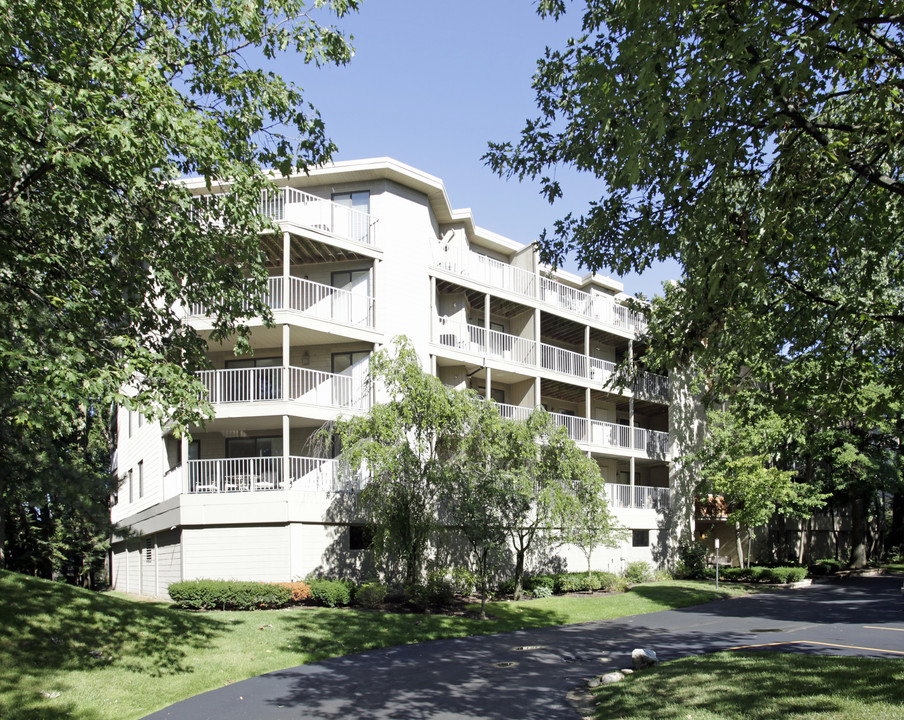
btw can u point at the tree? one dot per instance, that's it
(593, 526)
(758, 144)
(551, 483)
(103, 107)
(749, 459)
(406, 446)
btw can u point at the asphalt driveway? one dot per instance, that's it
(527, 674)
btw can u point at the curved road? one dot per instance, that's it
(527, 674)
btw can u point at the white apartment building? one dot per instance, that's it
(370, 250)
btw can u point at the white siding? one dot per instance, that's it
(237, 553)
(169, 560)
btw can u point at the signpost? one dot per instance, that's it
(717, 563)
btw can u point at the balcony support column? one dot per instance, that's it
(183, 460)
(285, 452)
(538, 393)
(286, 346)
(487, 391)
(631, 413)
(286, 269)
(538, 348)
(434, 336)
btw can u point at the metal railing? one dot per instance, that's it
(514, 412)
(637, 496)
(473, 338)
(576, 426)
(317, 213)
(230, 475)
(563, 361)
(323, 475)
(314, 387)
(653, 442)
(608, 434)
(330, 303)
(499, 274)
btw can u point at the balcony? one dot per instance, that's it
(637, 496)
(497, 274)
(652, 443)
(263, 384)
(310, 211)
(315, 300)
(523, 351)
(265, 474)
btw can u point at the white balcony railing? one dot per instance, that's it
(318, 213)
(497, 274)
(522, 351)
(637, 496)
(251, 385)
(255, 474)
(265, 474)
(576, 426)
(473, 339)
(514, 412)
(612, 435)
(315, 300)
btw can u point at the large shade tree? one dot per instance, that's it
(758, 144)
(104, 105)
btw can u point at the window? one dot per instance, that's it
(353, 304)
(141, 478)
(149, 551)
(497, 394)
(131, 488)
(131, 422)
(640, 538)
(254, 384)
(359, 200)
(360, 537)
(254, 447)
(194, 450)
(343, 361)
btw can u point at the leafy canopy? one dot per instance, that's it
(760, 145)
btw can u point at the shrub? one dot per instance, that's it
(417, 596)
(759, 573)
(638, 572)
(228, 595)
(440, 591)
(570, 582)
(662, 575)
(331, 593)
(787, 574)
(733, 574)
(692, 560)
(371, 594)
(825, 566)
(300, 591)
(532, 582)
(463, 580)
(610, 582)
(542, 591)
(507, 587)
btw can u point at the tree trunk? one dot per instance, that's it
(2, 539)
(483, 557)
(895, 536)
(519, 574)
(802, 536)
(739, 544)
(858, 533)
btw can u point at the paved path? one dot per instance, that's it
(462, 679)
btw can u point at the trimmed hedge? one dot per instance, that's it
(371, 594)
(228, 595)
(331, 593)
(825, 566)
(300, 591)
(763, 574)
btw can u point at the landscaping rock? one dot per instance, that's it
(643, 658)
(593, 682)
(612, 677)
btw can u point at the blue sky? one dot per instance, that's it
(431, 84)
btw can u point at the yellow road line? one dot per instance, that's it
(877, 627)
(812, 642)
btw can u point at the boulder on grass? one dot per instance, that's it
(643, 658)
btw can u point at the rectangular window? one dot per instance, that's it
(640, 538)
(140, 419)
(194, 450)
(360, 537)
(131, 488)
(359, 200)
(254, 384)
(149, 551)
(131, 421)
(343, 361)
(254, 447)
(350, 215)
(141, 478)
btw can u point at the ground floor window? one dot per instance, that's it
(360, 537)
(640, 538)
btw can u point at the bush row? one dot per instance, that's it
(229, 595)
(763, 574)
(557, 584)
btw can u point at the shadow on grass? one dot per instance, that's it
(51, 628)
(758, 685)
(672, 596)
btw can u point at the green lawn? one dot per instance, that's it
(113, 657)
(759, 686)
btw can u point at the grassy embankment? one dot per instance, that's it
(66, 652)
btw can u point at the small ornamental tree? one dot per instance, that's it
(404, 445)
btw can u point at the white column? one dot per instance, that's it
(631, 412)
(286, 261)
(433, 315)
(489, 382)
(285, 451)
(183, 461)
(286, 347)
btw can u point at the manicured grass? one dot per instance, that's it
(111, 657)
(759, 686)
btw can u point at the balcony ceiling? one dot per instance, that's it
(562, 391)
(303, 251)
(498, 306)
